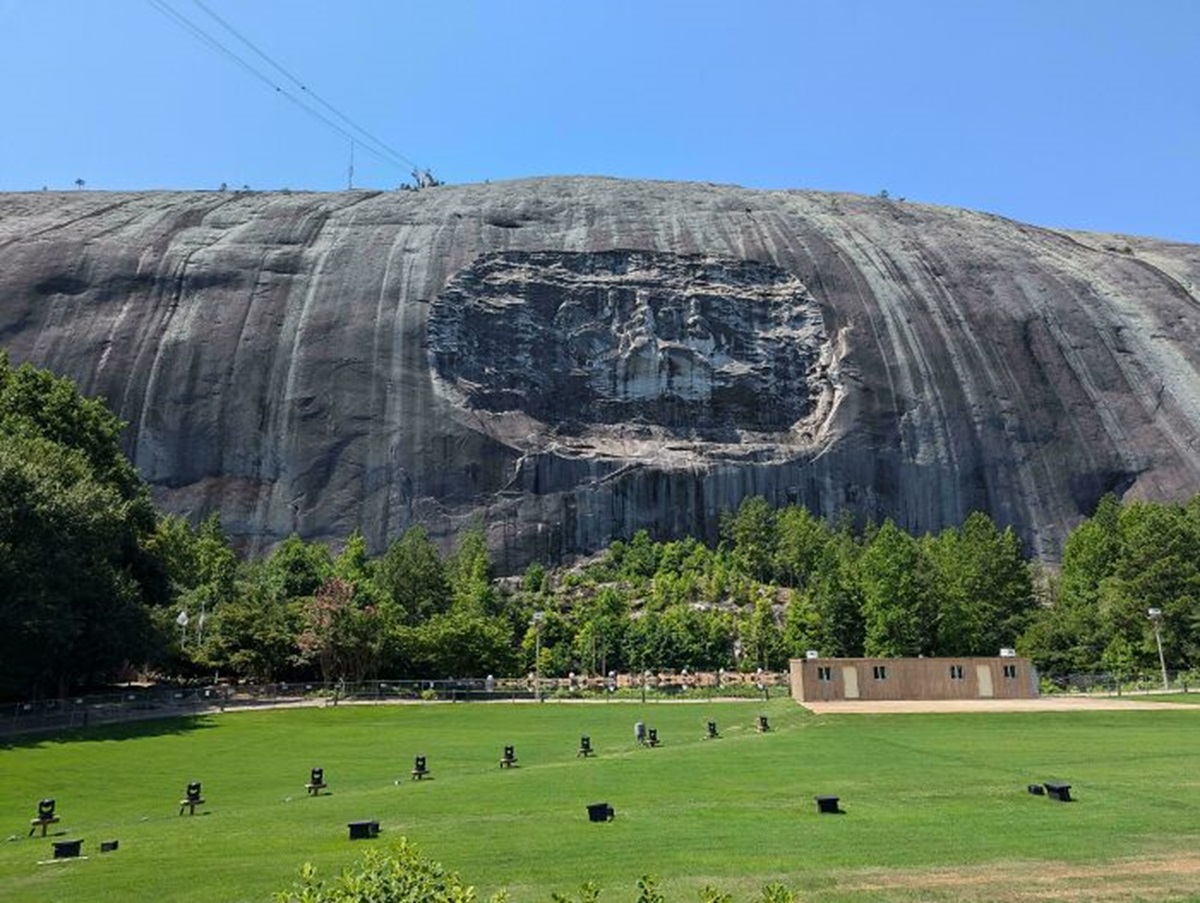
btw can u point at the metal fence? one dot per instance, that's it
(1110, 684)
(137, 703)
(134, 704)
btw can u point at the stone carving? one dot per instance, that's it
(693, 347)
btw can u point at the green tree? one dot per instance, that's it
(253, 634)
(800, 540)
(535, 579)
(801, 626)
(353, 564)
(470, 575)
(201, 568)
(751, 535)
(1090, 554)
(1069, 636)
(35, 402)
(1118, 659)
(460, 644)
(1159, 567)
(76, 574)
(897, 595)
(638, 559)
(837, 597)
(984, 592)
(71, 608)
(297, 569)
(411, 573)
(599, 643)
(762, 640)
(1118, 564)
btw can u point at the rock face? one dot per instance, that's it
(570, 360)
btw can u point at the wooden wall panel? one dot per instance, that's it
(823, 679)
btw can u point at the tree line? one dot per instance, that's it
(96, 583)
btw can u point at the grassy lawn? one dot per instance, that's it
(1192, 698)
(936, 806)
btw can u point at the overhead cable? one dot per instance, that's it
(303, 87)
(383, 152)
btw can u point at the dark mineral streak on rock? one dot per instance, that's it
(573, 359)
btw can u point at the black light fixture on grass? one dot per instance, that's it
(191, 799)
(44, 818)
(316, 782)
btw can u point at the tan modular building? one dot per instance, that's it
(828, 679)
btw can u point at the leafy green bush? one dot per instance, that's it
(402, 875)
(398, 875)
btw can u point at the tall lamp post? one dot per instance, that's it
(538, 617)
(1155, 616)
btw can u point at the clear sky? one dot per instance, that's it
(1068, 113)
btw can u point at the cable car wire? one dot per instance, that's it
(383, 152)
(303, 87)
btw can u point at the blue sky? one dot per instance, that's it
(1062, 113)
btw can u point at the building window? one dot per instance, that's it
(880, 672)
(1010, 671)
(824, 672)
(956, 672)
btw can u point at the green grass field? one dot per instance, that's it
(936, 806)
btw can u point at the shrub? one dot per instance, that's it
(399, 875)
(402, 875)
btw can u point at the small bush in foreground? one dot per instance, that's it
(402, 875)
(399, 875)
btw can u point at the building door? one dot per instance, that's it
(850, 680)
(985, 681)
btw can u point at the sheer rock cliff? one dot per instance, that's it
(569, 360)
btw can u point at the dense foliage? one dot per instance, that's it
(779, 583)
(403, 875)
(1123, 561)
(400, 875)
(93, 580)
(76, 583)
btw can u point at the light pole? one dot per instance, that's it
(538, 617)
(1155, 616)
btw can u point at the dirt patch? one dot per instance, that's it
(1041, 704)
(1166, 878)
